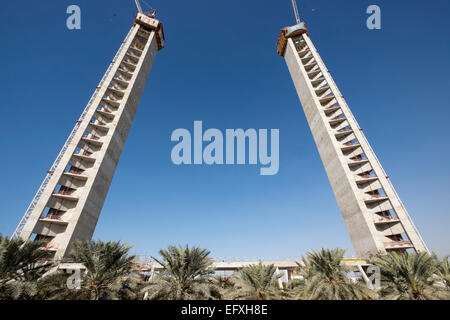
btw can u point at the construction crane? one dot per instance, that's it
(138, 5)
(151, 13)
(294, 5)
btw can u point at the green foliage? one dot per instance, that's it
(444, 272)
(411, 276)
(54, 287)
(255, 282)
(109, 273)
(22, 264)
(26, 274)
(187, 275)
(325, 278)
(224, 282)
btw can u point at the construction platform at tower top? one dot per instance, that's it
(68, 203)
(374, 215)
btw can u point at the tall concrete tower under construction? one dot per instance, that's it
(69, 201)
(376, 219)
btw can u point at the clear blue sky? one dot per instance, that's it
(220, 66)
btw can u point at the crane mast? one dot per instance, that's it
(294, 6)
(138, 5)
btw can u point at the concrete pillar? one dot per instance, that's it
(68, 203)
(374, 215)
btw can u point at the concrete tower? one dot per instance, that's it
(376, 219)
(69, 201)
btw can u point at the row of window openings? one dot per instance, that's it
(53, 213)
(136, 45)
(354, 142)
(314, 69)
(56, 214)
(300, 44)
(63, 190)
(386, 214)
(335, 105)
(378, 193)
(131, 53)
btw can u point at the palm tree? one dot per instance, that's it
(53, 286)
(409, 276)
(325, 278)
(131, 287)
(444, 272)
(187, 275)
(22, 264)
(224, 282)
(255, 282)
(109, 269)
